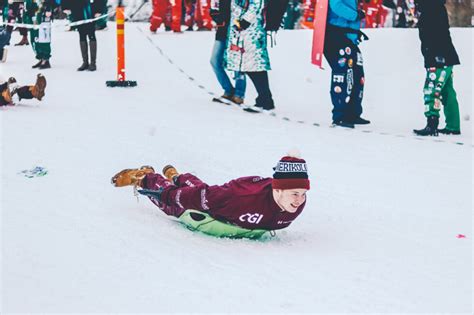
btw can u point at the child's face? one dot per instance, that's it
(290, 199)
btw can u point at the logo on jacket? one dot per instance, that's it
(254, 218)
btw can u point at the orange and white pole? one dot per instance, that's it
(120, 21)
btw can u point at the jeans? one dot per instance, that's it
(217, 62)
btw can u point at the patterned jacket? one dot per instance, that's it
(247, 49)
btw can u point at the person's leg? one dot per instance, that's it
(176, 16)
(264, 99)
(434, 83)
(33, 39)
(342, 76)
(32, 91)
(355, 105)
(84, 49)
(205, 16)
(188, 180)
(189, 17)
(24, 38)
(240, 84)
(157, 16)
(217, 62)
(92, 46)
(450, 103)
(44, 53)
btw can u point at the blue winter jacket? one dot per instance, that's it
(343, 13)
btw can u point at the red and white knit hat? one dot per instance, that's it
(291, 172)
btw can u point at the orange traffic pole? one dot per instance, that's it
(120, 21)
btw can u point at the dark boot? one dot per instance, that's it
(37, 90)
(24, 92)
(93, 47)
(85, 57)
(360, 121)
(431, 128)
(23, 41)
(44, 64)
(342, 123)
(36, 65)
(445, 131)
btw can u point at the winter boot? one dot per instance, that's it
(237, 100)
(37, 65)
(431, 128)
(342, 123)
(12, 85)
(23, 41)
(85, 57)
(44, 64)
(360, 121)
(170, 173)
(445, 131)
(131, 177)
(37, 90)
(3, 55)
(227, 96)
(93, 48)
(5, 96)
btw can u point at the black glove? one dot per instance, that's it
(360, 14)
(241, 25)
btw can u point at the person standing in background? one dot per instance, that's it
(440, 57)
(220, 13)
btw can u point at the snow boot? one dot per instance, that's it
(237, 100)
(360, 121)
(37, 90)
(342, 123)
(3, 55)
(23, 41)
(37, 65)
(85, 57)
(445, 131)
(5, 96)
(12, 85)
(131, 177)
(431, 128)
(44, 64)
(170, 172)
(227, 96)
(93, 49)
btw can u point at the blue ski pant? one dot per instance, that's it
(347, 79)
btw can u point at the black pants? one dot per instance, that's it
(347, 80)
(260, 81)
(87, 30)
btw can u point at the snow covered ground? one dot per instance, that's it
(383, 227)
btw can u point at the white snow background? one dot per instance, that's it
(381, 232)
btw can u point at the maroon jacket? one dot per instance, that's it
(247, 201)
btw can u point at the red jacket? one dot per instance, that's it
(247, 201)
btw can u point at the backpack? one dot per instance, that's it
(274, 13)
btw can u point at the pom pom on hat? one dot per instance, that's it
(291, 172)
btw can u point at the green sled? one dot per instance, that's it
(196, 220)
